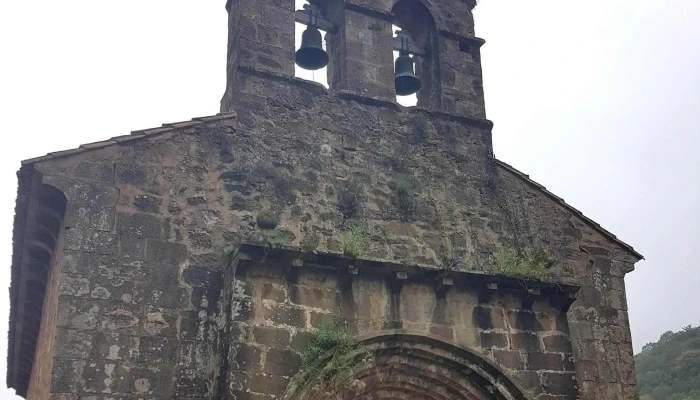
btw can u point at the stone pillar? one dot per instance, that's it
(368, 54)
(261, 37)
(460, 70)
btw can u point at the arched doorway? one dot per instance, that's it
(417, 366)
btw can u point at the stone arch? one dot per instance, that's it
(411, 365)
(453, 16)
(414, 17)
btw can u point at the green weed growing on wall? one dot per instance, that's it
(331, 357)
(280, 238)
(354, 242)
(526, 263)
(405, 192)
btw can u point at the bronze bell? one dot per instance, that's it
(405, 79)
(311, 55)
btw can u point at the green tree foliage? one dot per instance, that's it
(670, 368)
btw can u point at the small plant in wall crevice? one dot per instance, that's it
(354, 242)
(526, 263)
(350, 199)
(330, 359)
(406, 190)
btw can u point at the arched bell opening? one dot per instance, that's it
(414, 366)
(416, 22)
(316, 30)
(311, 57)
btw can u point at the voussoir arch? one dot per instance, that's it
(420, 366)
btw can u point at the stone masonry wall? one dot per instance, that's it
(276, 300)
(149, 221)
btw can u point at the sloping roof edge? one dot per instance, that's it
(135, 135)
(573, 210)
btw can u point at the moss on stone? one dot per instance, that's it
(280, 238)
(527, 263)
(354, 242)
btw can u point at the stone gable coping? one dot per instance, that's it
(564, 204)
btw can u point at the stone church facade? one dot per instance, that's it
(194, 260)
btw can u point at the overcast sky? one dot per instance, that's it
(601, 104)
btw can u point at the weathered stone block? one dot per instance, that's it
(526, 341)
(165, 252)
(563, 384)
(239, 381)
(202, 277)
(522, 320)
(271, 337)
(146, 380)
(73, 239)
(489, 318)
(318, 298)
(493, 339)
(268, 384)
(581, 330)
(508, 359)
(545, 361)
(160, 321)
(557, 344)
(76, 313)
(281, 362)
(617, 300)
(247, 358)
(146, 203)
(140, 225)
(115, 347)
(196, 325)
(74, 344)
(205, 298)
(192, 387)
(157, 350)
(66, 375)
(99, 378)
(131, 248)
(607, 371)
(119, 317)
(300, 340)
(530, 380)
(131, 174)
(162, 296)
(91, 196)
(101, 243)
(74, 286)
(285, 315)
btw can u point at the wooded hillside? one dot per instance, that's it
(670, 368)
